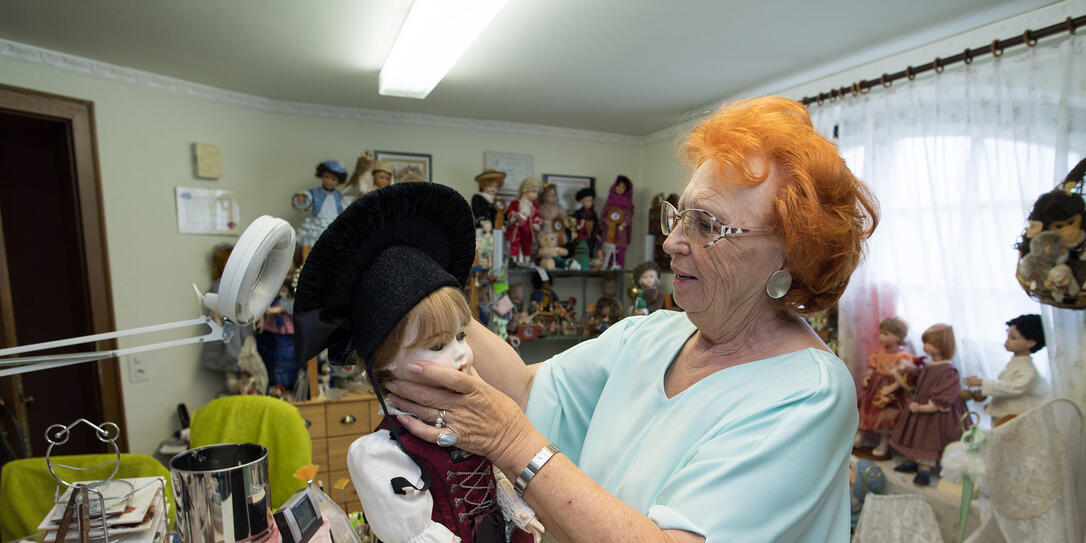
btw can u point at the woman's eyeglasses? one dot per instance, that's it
(700, 227)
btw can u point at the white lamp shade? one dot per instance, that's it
(255, 270)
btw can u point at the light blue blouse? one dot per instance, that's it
(754, 452)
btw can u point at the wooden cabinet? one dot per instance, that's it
(333, 426)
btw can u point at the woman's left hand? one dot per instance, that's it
(486, 421)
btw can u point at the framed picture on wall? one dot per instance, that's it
(407, 166)
(568, 185)
(515, 166)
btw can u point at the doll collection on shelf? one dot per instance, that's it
(915, 405)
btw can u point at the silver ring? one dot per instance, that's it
(447, 438)
(440, 422)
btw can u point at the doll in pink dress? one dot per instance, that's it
(933, 419)
(882, 396)
(524, 220)
(619, 207)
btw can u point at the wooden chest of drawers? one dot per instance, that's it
(333, 426)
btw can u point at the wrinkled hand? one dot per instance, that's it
(486, 421)
(974, 381)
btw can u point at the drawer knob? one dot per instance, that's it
(308, 423)
(347, 419)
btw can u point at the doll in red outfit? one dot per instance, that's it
(882, 397)
(933, 419)
(524, 220)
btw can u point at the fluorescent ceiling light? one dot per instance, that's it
(434, 35)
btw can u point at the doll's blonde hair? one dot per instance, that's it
(940, 336)
(440, 317)
(529, 183)
(895, 326)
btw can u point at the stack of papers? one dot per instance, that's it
(136, 512)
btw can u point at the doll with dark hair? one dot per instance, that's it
(1018, 387)
(382, 292)
(617, 216)
(1062, 211)
(587, 223)
(649, 297)
(933, 419)
(881, 399)
(482, 202)
(324, 203)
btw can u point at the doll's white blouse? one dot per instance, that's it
(1018, 388)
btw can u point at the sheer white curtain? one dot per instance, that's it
(957, 160)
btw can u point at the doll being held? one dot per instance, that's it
(933, 419)
(882, 397)
(1018, 387)
(385, 299)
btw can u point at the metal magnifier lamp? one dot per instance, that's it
(252, 277)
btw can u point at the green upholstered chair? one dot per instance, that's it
(267, 421)
(26, 486)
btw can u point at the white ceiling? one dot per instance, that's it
(624, 66)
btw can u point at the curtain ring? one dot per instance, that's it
(820, 98)
(885, 83)
(864, 89)
(909, 73)
(936, 66)
(1029, 41)
(855, 89)
(833, 95)
(995, 52)
(967, 56)
(1071, 26)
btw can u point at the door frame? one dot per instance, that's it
(79, 115)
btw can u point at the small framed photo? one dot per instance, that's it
(568, 185)
(408, 167)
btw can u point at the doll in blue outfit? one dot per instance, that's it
(324, 203)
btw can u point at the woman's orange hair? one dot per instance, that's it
(823, 213)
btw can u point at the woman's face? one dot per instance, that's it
(732, 273)
(450, 352)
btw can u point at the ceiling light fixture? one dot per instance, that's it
(432, 38)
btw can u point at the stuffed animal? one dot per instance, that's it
(549, 251)
(1046, 249)
(1061, 282)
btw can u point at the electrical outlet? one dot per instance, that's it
(137, 370)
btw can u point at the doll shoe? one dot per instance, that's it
(923, 477)
(907, 466)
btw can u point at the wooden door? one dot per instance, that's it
(54, 264)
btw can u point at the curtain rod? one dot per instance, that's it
(1029, 37)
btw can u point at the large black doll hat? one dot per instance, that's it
(378, 259)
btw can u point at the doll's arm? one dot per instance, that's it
(1013, 383)
(514, 507)
(373, 461)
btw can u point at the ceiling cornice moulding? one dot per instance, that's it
(148, 80)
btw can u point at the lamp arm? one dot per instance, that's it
(36, 363)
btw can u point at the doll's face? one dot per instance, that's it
(1016, 342)
(1070, 229)
(531, 194)
(329, 181)
(451, 352)
(587, 202)
(889, 340)
(490, 188)
(382, 179)
(649, 279)
(550, 196)
(620, 188)
(933, 351)
(516, 293)
(486, 226)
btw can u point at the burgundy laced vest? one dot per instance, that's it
(463, 489)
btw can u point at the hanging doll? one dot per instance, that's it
(482, 203)
(882, 397)
(933, 419)
(587, 231)
(383, 287)
(1019, 386)
(1061, 211)
(649, 297)
(523, 221)
(324, 203)
(617, 216)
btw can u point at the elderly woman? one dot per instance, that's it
(729, 422)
